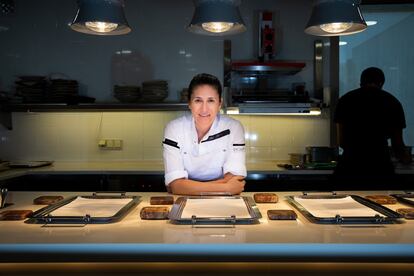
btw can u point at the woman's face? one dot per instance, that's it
(204, 104)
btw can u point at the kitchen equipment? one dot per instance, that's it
(297, 159)
(322, 154)
(94, 209)
(266, 36)
(214, 210)
(309, 166)
(29, 164)
(342, 209)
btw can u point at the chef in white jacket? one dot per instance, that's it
(204, 152)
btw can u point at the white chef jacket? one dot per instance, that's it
(221, 150)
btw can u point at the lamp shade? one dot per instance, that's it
(217, 17)
(335, 17)
(101, 17)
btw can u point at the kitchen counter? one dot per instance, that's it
(133, 239)
(157, 167)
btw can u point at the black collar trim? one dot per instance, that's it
(217, 136)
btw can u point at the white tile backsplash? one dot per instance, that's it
(73, 136)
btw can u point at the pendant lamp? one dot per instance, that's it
(101, 17)
(335, 18)
(217, 17)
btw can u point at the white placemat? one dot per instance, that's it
(328, 208)
(215, 207)
(95, 207)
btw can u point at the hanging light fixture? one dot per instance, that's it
(335, 17)
(217, 17)
(101, 17)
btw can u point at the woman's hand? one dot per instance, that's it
(236, 185)
(225, 179)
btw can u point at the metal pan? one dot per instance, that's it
(387, 215)
(44, 215)
(176, 212)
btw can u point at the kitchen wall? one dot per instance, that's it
(71, 136)
(36, 40)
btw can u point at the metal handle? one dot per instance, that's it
(305, 193)
(64, 221)
(109, 192)
(375, 219)
(195, 220)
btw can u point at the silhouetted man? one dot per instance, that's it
(366, 118)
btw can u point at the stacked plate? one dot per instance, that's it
(31, 88)
(184, 95)
(127, 94)
(61, 90)
(154, 91)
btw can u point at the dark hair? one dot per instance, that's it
(372, 75)
(204, 79)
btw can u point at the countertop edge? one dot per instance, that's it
(206, 252)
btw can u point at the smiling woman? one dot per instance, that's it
(204, 152)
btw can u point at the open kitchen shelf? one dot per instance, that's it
(45, 107)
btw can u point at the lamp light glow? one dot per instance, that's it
(336, 27)
(101, 27)
(217, 27)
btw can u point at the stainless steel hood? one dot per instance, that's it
(254, 87)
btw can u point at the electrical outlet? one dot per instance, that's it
(110, 144)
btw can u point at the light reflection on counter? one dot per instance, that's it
(213, 234)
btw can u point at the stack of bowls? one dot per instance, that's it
(154, 91)
(127, 93)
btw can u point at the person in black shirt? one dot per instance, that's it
(366, 118)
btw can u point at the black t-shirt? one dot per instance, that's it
(368, 116)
